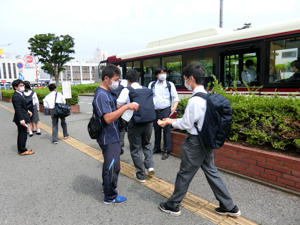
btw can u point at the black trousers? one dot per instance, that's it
(111, 169)
(160, 114)
(22, 138)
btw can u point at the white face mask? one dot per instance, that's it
(162, 76)
(187, 86)
(22, 89)
(114, 85)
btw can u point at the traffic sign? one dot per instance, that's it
(3, 81)
(20, 65)
(28, 59)
(21, 77)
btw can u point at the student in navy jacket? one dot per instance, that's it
(21, 117)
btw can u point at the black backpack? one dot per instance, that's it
(144, 97)
(95, 127)
(168, 85)
(29, 101)
(217, 120)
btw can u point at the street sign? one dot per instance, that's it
(21, 77)
(28, 59)
(20, 65)
(3, 81)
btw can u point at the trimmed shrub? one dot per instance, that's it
(42, 92)
(85, 88)
(261, 120)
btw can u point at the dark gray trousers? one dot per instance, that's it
(193, 156)
(139, 136)
(55, 127)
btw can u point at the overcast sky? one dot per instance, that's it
(119, 26)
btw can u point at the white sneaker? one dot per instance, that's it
(151, 171)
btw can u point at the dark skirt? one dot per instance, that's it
(35, 115)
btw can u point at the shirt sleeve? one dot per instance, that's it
(102, 104)
(191, 115)
(123, 97)
(174, 93)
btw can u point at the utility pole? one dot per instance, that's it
(221, 14)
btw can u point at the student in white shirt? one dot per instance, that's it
(249, 74)
(164, 94)
(49, 102)
(139, 134)
(193, 153)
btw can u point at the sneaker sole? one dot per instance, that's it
(111, 203)
(170, 212)
(230, 214)
(140, 181)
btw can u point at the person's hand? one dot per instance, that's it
(173, 110)
(30, 113)
(23, 123)
(133, 106)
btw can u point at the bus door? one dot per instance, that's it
(240, 67)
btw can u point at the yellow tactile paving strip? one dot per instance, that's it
(191, 202)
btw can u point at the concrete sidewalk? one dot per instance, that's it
(62, 186)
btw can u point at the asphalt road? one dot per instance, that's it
(61, 185)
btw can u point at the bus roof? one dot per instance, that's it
(208, 38)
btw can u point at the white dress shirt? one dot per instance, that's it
(124, 95)
(161, 97)
(49, 99)
(194, 112)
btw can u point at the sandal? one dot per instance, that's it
(28, 152)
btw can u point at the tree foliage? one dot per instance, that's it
(52, 51)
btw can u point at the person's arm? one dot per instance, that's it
(123, 98)
(175, 98)
(112, 116)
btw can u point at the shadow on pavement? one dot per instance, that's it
(83, 184)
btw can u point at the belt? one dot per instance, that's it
(159, 110)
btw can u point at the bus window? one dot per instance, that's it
(240, 68)
(173, 64)
(149, 69)
(249, 74)
(206, 57)
(231, 70)
(137, 67)
(283, 55)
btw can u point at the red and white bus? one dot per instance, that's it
(223, 54)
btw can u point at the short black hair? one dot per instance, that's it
(159, 69)
(27, 85)
(196, 70)
(16, 83)
(132, 76)
(296, 64)
(249, 62)
(52, 87)
(110, 70)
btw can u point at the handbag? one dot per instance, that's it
(61, 109)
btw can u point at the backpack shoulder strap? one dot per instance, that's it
(153, 84)
(55, 98)
(201, 94)
(169, 88)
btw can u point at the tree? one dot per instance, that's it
(52, 51)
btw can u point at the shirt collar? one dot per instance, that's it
(135, 85)
(19, 92)
(199, 88)
(164, 82)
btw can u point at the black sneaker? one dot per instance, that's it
(235, 212)
(156, 151)
(174, 211)
(165, 155)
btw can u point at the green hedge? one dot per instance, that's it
(42, 92)
(261, 120)
(85, 88)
